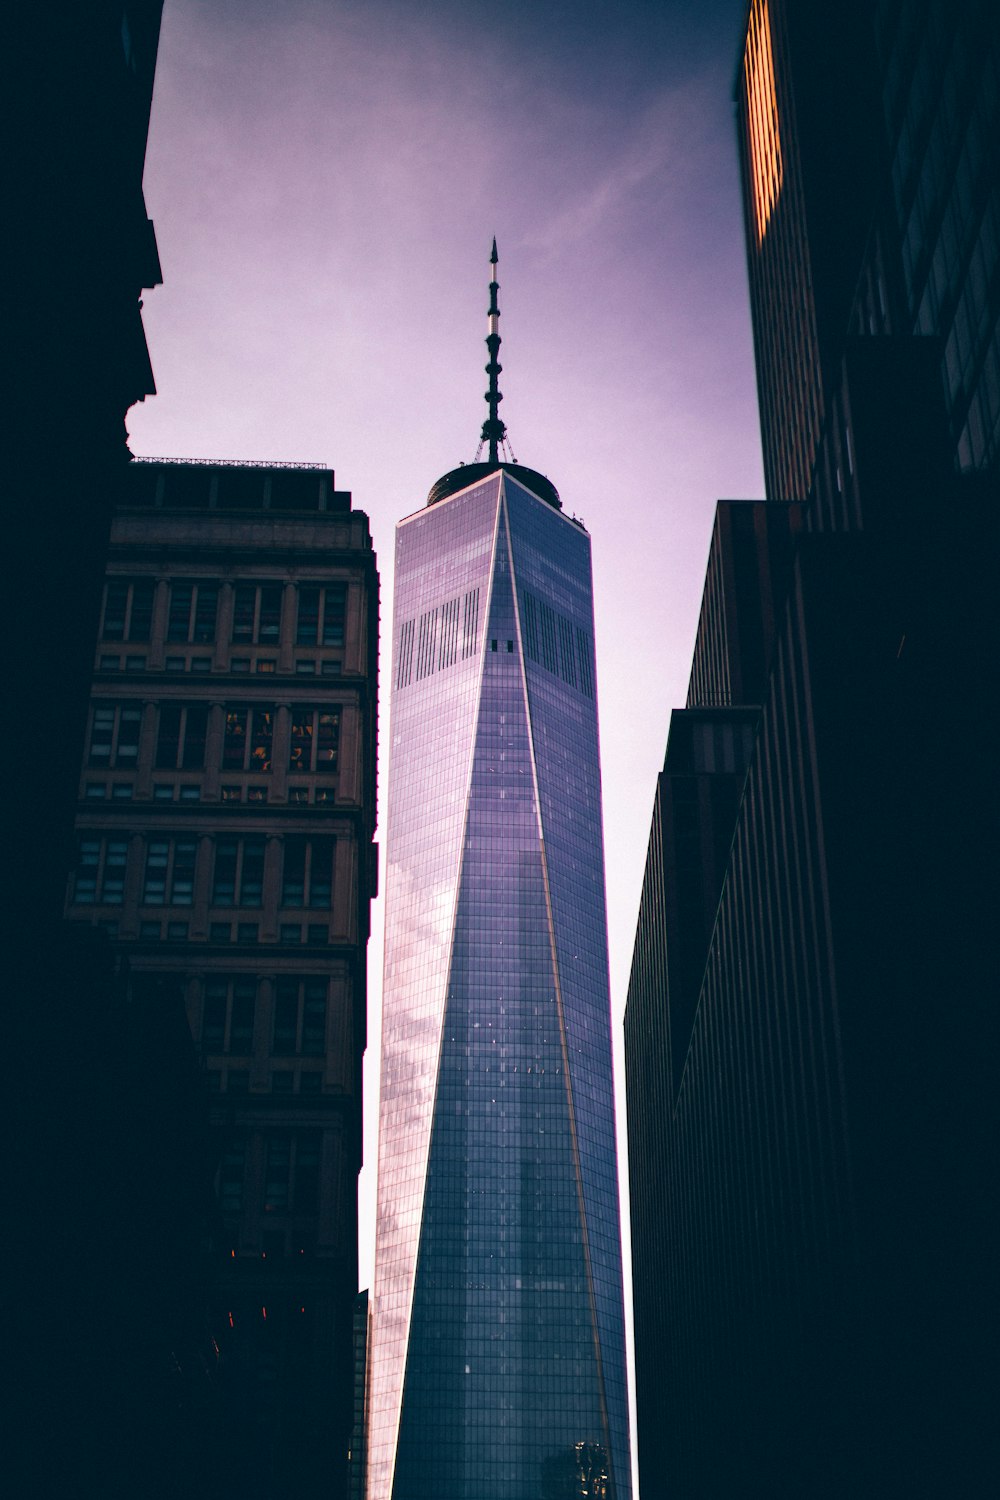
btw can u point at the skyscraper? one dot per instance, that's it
(810, 1112)
(225, 830)
(498, 1348)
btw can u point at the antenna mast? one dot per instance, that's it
(494, 431)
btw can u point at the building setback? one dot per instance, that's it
(225, 823)
(810, 1109)
(498, 1342)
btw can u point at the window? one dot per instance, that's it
(248, 736)
(307, 1153)
(231, 1177)
(257, 613)
(321, 614)
(307, 874)
(228, 1015)
(100, 871)
(128, 609)
(290, 933)
(242, 1016)
(220, 932)
(277, 1176)
(121, 791)
(192, 612)
(238, 877)
(300, 1002)
(169, 875)
(292, 1158)
(114, 734)
(180, 741)
(315, 739)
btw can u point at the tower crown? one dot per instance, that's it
(494, 430)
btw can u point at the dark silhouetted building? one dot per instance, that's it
(76, 261)
(225, 823)
(807, 1031)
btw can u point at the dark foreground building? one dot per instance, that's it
(498, 1356)
(808, 1026)
(225, 823)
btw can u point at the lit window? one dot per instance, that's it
(248, 737)
(766, 168)
(315, 739)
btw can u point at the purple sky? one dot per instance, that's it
(326, 176)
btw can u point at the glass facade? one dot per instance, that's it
(498, 1353)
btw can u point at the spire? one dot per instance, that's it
(494, 431)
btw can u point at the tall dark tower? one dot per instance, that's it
(499, 1363)
(811, 1109)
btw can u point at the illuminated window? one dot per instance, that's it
(248, 736)
(315, 739)
(766, 167)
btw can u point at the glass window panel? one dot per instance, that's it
(141, 616)
(252, 875)
(195, 735)
(129, 727)
(307, 626)
(234, 745)
(102, 732)
(155, 883)
(179, 613)
(293, 880)
(115, 606)
(168, 736)
(244, 606)
(270, 613)
(182, 877)
(260, 742)
(206, 606)
(224, 877)
(321, 873)
(327, 740)
(334, 613)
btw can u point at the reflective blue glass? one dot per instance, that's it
(498, 1354)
